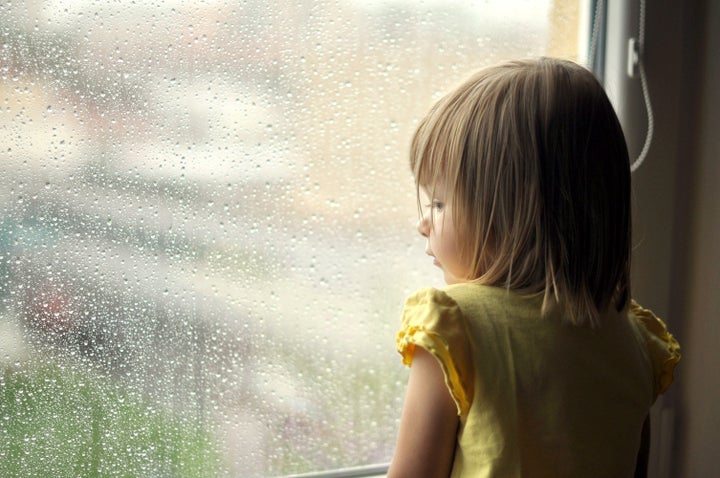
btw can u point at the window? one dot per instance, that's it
(207, 226)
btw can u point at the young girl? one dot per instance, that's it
(533, 361)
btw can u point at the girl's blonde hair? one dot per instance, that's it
(536, 162)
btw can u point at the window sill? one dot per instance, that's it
(369, 471)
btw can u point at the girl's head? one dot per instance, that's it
(530, 165)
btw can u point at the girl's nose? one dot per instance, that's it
(423, 226)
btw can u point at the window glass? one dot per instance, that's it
(207, 224)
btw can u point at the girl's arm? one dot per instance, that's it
(428, 426)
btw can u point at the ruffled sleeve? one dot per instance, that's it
(432, 320)
(663, 349)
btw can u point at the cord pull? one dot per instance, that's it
(633, 58)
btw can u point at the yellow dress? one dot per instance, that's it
(537, 397)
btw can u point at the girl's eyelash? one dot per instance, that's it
(435, 205)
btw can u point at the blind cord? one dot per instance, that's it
(646, 92)
(595, 31)
(598, 17)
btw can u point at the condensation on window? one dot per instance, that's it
(207, 224)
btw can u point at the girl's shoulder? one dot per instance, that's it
(452, 300)
(662, 348)
(472, 306)
(479, 292)
(489, 301)
(430, 306)
(471, 295)
(433, 320)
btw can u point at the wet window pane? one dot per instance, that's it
(207, 224)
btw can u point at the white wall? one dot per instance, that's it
(699, 305)
(677, 256)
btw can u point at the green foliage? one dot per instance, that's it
(57, 421)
